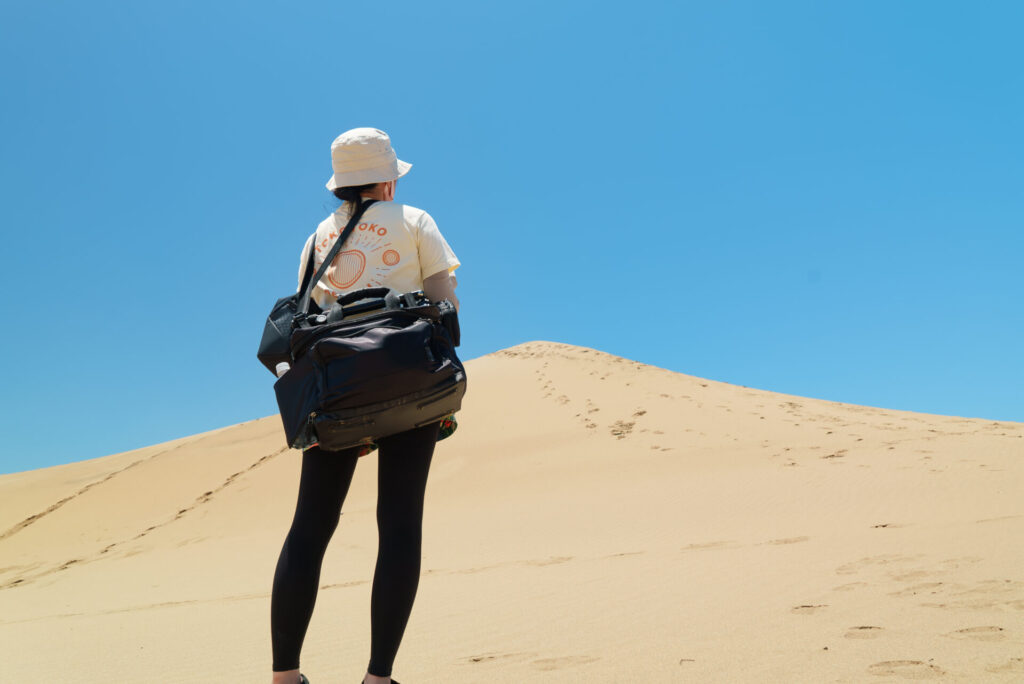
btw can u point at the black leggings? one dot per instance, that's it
(403, 464)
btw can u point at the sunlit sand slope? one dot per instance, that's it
(594, 519)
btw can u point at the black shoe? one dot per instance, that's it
(302, 679)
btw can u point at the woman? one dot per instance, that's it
(400, 247)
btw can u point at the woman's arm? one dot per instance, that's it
(440, 286)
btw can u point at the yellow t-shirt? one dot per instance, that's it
(394, 245)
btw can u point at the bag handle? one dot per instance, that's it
(368, 293)
(307, 292)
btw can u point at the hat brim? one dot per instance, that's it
(366, 177)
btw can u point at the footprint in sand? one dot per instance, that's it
(565, 661)
(987, 633)
(485, 657)
(999, 519)
(850, 587)
(787, 540)
(856, 566)
(906, 669)
(863, 632)
(553, 560)
(1012, 665)
(621, 429)
(708, 545)
(981, 595)
(342, 585)
(914, 576)
(922, 588)
(808, 609)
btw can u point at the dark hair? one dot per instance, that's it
(353, 194)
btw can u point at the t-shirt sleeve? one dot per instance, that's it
(434, 252)
(302, 260)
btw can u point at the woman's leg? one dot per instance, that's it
(325, 479)
(403, 463)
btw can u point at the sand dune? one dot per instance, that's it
(594, 520)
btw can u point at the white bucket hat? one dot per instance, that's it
(364, 155)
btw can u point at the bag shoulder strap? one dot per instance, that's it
(308, 273)
(307, 291)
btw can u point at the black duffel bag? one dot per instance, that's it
(376, 363)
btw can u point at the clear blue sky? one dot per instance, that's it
(822, 199)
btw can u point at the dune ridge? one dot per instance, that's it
(594, 519)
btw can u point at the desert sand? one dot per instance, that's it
(594, 519)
